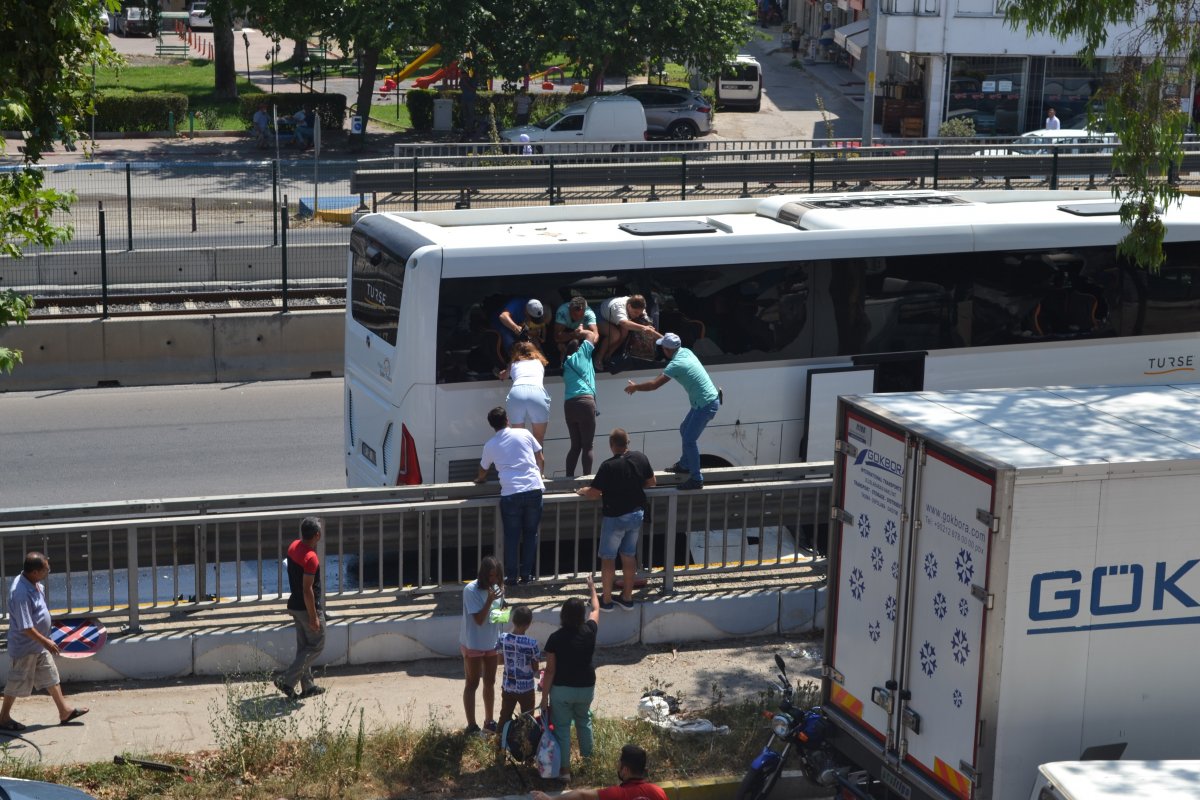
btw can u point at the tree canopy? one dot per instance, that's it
(1158, 49)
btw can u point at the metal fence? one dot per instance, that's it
(120, 568)
(160, 228)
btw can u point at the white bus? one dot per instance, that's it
(789, 301)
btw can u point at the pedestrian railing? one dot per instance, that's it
(118, 569)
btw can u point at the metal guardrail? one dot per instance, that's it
(430, 539)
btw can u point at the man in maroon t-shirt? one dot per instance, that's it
(304, 604)
(631, 771)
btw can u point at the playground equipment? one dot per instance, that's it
(448, 72)
(416, 64)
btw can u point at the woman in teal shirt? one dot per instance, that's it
(579, 383)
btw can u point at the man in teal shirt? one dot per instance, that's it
(684, 367)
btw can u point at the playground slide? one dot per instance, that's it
(450, 72)
(562, 68)
(417, 63)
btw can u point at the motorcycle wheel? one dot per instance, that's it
(759, 782)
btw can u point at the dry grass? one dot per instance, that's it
(263, 755)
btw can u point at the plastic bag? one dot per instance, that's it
(549, 762)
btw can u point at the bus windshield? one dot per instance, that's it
(377, 279)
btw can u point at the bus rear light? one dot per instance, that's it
(409, 473)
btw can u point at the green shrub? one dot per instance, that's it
(957, 127)
(331, 108)
(420, 108)
(120, 110)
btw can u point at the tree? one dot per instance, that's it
(1141, 104)
(224, 47)
(46, 70)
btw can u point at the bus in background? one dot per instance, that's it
(789, 301)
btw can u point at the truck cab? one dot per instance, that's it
(1117, 780)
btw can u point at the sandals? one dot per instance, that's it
(75, 714)
(12, 725)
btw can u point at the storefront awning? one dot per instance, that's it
(852, 37)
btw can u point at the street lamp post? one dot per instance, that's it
(246, 39)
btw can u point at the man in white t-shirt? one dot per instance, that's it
(1052, 122)
(619, 317)
(519, 462)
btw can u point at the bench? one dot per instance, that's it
(180, 50)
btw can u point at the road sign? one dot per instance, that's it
(78, 637)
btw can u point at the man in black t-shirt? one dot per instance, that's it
(620, 482)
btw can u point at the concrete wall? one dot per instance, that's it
(133, 351)
(408, 638)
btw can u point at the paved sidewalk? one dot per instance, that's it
(150, 718)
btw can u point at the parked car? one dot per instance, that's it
(134, 19)
(1042, 142)
(198, 18)
(20, 789)
(672, 111)
(614, 118)
(740, 84)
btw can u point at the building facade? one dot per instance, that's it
(940, 59)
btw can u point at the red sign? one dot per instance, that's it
(78, 638)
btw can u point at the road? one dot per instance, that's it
(96, 445)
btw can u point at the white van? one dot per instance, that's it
(613, 118)
(740, 84)
(1118, 780)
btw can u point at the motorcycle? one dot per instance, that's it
(802, 730)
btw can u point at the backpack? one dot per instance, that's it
(520, 737)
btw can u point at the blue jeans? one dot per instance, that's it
(521, 514)
(694, 423)
(619, 535)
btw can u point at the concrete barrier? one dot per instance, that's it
(147, 267)
(305, 262)
(77, 354)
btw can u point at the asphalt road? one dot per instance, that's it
(96, 445)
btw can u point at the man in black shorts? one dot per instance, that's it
(621, 482)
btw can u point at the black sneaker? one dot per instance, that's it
(690, 484)
(471, 729)
(312, 691)
(678, 469)
(288, 691)
(623, 603)
(528, 579)
(606, 606)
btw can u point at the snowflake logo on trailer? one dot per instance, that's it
(958, 698)
(857, 585)
(864, 525)
(896, 569)
(939, 605)
(930, 566)
(963, 606)
(889, 609)
(928, 659)
(964, 567)
(877, 559)
(889, 531)
(873, 631)
(960, 647)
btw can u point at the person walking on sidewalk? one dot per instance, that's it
(621, 484)
(520, 463)
(304, 604)
(30, 647)
(631, 772)
(683, 366)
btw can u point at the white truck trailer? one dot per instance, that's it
(1118, 780)
(1012, 582)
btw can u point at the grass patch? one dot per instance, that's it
(194, 79)
(263, 752)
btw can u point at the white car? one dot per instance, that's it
(198, 18)
(1045, 141)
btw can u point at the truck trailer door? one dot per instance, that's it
(938, 710)
(865, 571)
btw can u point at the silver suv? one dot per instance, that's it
(673, 111)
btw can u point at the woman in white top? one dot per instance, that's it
(528, 400)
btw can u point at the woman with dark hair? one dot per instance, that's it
(477, 639)
(579, 393)
(570, 679)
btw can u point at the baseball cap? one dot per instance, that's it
(578, 302)
(534, 309)
(670, 341)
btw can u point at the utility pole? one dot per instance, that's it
(868, 123)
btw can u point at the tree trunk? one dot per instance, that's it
(300, 52)
(225, 83)
(366, 89)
